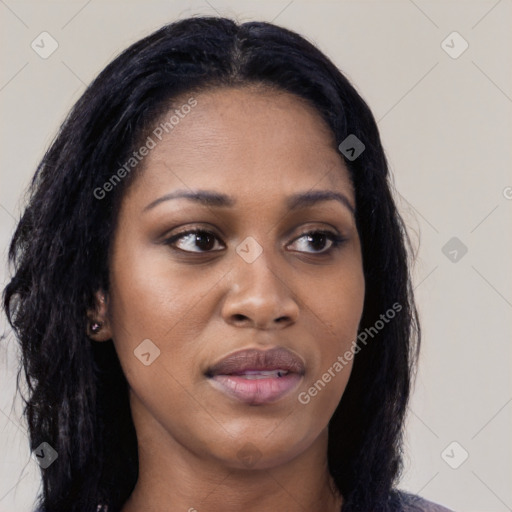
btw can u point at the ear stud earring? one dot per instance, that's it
(95, 327)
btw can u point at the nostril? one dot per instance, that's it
(239, 318)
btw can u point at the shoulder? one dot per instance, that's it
(414, 503)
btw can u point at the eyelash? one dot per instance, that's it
(336, 240)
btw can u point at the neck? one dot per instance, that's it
(172, 479)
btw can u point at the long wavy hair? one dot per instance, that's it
(76, 397)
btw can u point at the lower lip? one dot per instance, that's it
(256, 391)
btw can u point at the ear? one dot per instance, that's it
(98, 324)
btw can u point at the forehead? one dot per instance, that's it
(244, 140)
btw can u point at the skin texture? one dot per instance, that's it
(258, 146)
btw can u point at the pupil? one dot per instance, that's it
(201, 238)
(317, 237)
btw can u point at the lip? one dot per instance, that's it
(257, 377)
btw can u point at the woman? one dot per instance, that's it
(211, 286)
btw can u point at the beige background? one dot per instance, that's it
(446, 125)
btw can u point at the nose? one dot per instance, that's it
(259, 297)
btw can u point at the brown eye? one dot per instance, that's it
(318, 240)
(194, 241)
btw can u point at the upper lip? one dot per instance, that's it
(278, 358)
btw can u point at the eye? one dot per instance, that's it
(202, 241)
(194, 238)
(318, 239)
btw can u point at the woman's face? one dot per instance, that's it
(250, 279)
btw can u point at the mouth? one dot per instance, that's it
(257, 377)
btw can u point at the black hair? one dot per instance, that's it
(77, 395)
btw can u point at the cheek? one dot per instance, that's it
(337, 308)
(148, 302)
(337, 303)
(154, 298)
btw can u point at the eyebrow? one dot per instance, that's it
(293, 202)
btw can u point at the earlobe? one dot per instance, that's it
(98, 325)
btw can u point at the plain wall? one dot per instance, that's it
(446, 126)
